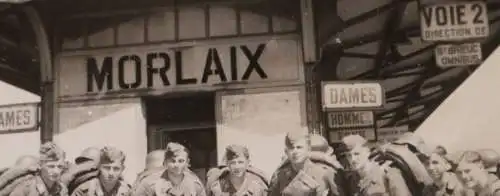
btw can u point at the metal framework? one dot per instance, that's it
(409, 105)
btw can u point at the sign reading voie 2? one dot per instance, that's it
(452, 22)
(195, 67)
(356, 95)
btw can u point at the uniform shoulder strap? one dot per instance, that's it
(259, 173)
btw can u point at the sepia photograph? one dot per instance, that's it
(249, 97)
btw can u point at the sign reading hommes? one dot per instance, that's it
(193, 67)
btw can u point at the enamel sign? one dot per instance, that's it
(352, 95)
(18, 117)
(450, 55)
(452, 22)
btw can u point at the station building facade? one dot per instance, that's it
(205, 75)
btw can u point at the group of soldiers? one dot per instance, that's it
(404, 167)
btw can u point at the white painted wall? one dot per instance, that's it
(260, 119)
(14, 145)
(120, 125)
(469, 118)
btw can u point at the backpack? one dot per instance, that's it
(219, 172)
(79, 174)
(393, 159)
(11, 177)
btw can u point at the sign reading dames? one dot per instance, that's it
(18, 117)
(452, 22)
(458, 54)
(341, 95)
(191, 68)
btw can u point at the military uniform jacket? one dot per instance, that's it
(94, 188)
(492, 188)
(36, 187)
(189, 186)
(451, 186)
(252, 186)
(146, 179)
(313, 179)
(382, 181)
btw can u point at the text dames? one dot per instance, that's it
(103, 77)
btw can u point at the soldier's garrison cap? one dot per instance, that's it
(51, 152)
(292, 137)
(175, 149)
(234, 151)
(111, 154)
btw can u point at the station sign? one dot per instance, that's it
(454, 21)
(391, 133)
(350, 119)
(355, 95)
(335, 136)
(159, 69)
(18, 117)
(451, 55)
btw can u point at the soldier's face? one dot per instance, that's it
(469, 174)
(51, 170)
(238, 166)
(297, 152)
(177, 164)
(437, 166)
(110, 173)
(358, 157)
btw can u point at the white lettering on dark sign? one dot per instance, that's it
(392, 133)
(357, 95)
(458, 21)
(350, 119)
(337, 135)
(18, 117)
(458, 55)
(101, 77)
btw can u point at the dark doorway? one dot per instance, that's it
(188, 120)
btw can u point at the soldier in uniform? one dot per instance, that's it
(154, 170)
(473, 174)
(178, 180)
(108, 183)
(84, 169)
(236, 179)
(47, 182)
(301, 176)
(440, 169)
(373, 178)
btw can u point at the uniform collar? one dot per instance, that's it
(41, 187)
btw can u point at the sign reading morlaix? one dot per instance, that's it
(452, 22)
(18, 117)
(352, 95)
(162, 69)
(448, 55)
